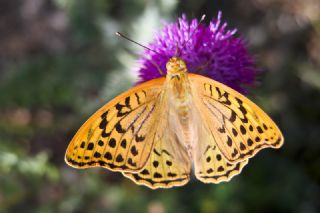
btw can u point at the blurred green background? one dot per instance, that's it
(60, 61)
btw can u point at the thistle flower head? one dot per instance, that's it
(211, 51)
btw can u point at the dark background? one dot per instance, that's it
(60, 61)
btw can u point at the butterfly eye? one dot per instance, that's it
(169, 66)
(182, 64)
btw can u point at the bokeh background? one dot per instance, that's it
(60, 61)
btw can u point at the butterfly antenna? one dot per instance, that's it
(141, 45)
(190, 36)
(157, 66)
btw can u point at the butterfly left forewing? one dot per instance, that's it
(119, 135)
(240, 127)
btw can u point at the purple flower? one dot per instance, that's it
(211, 51)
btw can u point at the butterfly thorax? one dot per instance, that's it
(176, 66)
(180, 102)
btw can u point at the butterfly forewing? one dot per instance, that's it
(119, 135)
(240, 128)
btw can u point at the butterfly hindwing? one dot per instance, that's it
(119, 135)
(240, 127)
(169, 164)
(163, 169)
(210, 164)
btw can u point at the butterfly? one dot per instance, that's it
(160, 131)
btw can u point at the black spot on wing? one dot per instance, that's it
(229, 141)
(145, 172)
(259, 129)
(105, 134)
(90, 146)
(222, 129)
(130, 162)
(112, 143)
(157, 175)
(220, 169)
(242, 146)
(209, 170)
(127, 102)
(134, 150)
(234, 132)
(218, 157)
(233, 116)
(155, 164)
(100, 143)
(139, 138)
(170, 174)
(123, 143)
(82, 144)
(138, 98)
(119, 158)
(119, 128)
(103, 123)
(243, 130)
(108, 156)
(97, 155)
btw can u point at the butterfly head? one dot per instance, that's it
(176, 66)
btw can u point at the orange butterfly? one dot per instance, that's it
(156, 131)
